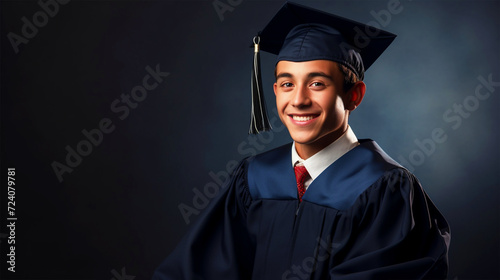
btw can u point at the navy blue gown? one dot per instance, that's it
(364, 217)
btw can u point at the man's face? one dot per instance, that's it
(310, 103)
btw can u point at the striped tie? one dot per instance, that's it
(301, 176)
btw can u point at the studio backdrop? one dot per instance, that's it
(121, 120)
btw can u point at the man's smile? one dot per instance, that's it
(303, 118)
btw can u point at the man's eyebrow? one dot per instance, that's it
(319, 74)
(284, 75)
(309, 76)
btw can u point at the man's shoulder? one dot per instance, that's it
(270, 174)
(272, 160)
(370, 148)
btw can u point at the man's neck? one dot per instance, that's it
(324, 158)
(307, 150)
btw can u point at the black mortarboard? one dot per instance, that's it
(298, 33)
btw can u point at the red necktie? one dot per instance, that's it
(301, 175)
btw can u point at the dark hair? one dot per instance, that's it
(350, 78)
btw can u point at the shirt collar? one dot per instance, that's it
(317, 163)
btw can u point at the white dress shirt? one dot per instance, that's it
(317, 163)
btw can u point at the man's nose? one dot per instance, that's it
(301, 97)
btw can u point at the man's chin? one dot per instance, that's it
(303, 139)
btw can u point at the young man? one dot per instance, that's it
(327, 206)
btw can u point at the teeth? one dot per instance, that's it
(302, 118)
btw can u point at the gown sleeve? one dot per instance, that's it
(397, 233)
(217, 246)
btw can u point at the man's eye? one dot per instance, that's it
(317, 84)
(286, 84)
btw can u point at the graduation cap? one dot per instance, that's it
(298, 33)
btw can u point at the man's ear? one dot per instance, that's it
(355, 95)
(275, 87)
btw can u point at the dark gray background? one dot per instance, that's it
(118, 209)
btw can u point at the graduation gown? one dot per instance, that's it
(364, 217)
